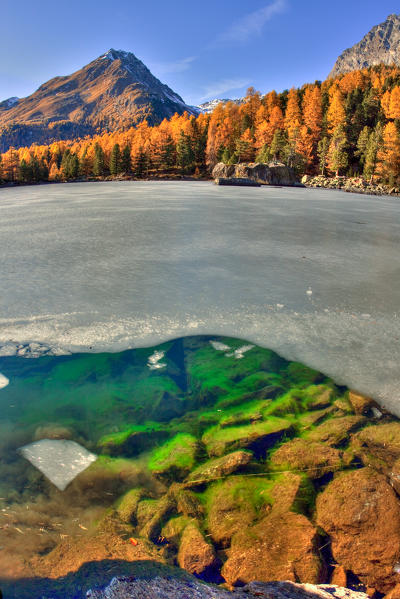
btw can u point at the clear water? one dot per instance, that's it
(312, 274)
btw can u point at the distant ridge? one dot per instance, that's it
(114, 91)
(380, 45)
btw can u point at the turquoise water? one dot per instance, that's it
(121, 407)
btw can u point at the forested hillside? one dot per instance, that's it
(347, 125)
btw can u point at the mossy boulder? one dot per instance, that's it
(127, 505)
(258, 437)
(218, 468)
(312, 458)
(378, 445)
(299, 374)
(195, 555)
(361, 513)
(175, 459)
(187, 502)
(361, 404)
(133, 440)
(318, 397)
(173, 529)
(282, 546)
(336, 431)
(163, 509)
(235, 503)
(292, 492)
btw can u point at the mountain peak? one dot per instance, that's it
(116, 55)
(380, 45)
(114, 91)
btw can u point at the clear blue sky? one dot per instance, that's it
(207, 49)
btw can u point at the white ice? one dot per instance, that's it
(111, 266)
(4, 381)
(154, 361)
(59, 460)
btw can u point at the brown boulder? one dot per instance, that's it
(361, 404)
(361, 513)
(312, 458)
(336, 431)
(195, 554)
(274, 173)
(378, 445)
(279, 547)
(230, 508)
(219, 467)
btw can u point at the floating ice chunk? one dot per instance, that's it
(3, 381)
(240, 351)
(280, 306)
(59, 460)
(309, 291)
(219, 346)
(154, 361)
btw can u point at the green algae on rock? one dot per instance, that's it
(228, 460)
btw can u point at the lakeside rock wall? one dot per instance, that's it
(274, 173)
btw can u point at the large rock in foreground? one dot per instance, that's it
(274, 173)
(279, 547)
(361, 513)
(185, 588)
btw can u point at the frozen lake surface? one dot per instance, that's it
(311, 274)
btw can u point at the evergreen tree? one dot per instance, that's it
(184, 153)
(362, 144)
(337, 155)
(264, 155)
(323, 147)
(115, 160)
(278, 144)
(141, 164)
(99, 169)
(126, 161)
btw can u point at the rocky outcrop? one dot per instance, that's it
(274, 173)
(190, 588)
(360, 512)
(349, 184)
(381, 45)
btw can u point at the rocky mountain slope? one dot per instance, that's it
(380, 45)
(114, 91)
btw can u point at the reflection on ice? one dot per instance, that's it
(154, 362)
(59, 460)
(3, 381)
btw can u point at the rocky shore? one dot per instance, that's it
(350, 184)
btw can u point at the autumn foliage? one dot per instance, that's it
(346, 125)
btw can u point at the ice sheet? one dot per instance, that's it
(312, 274)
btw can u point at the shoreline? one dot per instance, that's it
(356, 185)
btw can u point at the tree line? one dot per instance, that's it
(347, 125)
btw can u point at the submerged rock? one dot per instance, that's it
(280, 547)
(258, 437)
(195, 555)
(218, 468)
(312, 458)
(361, 513)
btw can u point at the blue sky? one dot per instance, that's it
(207, 49)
